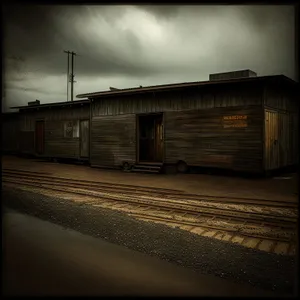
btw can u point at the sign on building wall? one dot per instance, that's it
(237, 121)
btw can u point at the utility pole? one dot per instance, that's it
(70, 76)
(68, 79)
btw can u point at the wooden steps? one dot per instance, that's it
(147, 168)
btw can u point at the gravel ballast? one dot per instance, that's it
(202, 254)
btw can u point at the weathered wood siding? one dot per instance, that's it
(280, 98)
(113, 140)
(193, 133)
(294, 133)
(194, 98)
(281, 127)
(281, 139)
(26, 142)
(199, 138)
(10, 133)
(85, 138)
(56, 144)
(28, 118)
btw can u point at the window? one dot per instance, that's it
(71, 129)
(68, 129)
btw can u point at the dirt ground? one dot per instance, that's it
(283, 188)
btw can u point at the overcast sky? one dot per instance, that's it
(128, 46)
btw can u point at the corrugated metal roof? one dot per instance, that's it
(177, 86)
(68, 103)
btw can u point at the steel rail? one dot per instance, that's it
(170, 202)
(162, 192)
(215, 227)
(239, 216)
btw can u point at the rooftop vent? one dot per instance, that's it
(113, 88)
(232, 75)
(36, 102)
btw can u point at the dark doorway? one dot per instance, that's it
(39, 137)
(150, 146)
(84, 138)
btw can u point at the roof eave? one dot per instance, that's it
(179, 86)
(159, 88)
(52, 104)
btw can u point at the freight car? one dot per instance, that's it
(56, 130)
(234, 121)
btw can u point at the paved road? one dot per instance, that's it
(41, 258)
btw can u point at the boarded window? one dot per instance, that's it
(71, 129)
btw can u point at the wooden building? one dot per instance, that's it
(244, 124)
(55, 130)
(10, 133)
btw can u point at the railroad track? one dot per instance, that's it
(23, 173)
(234, 234)
(278, 221)
(217, 229)
(164, 206)
(155, 192)
(190, 208)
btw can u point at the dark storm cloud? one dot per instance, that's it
(28, 89)
(43, 32)
(128, 46)
(162, 11)
(30, 27)
(261, 16)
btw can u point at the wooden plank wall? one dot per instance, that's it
(294, 140)
(26, 140)
(113, 140)
(10, 133)
(281, 107)
(281, 98)
(84, 138)
(54, 114)
(182, 109)
(194, 98)
(199, 138)
(27, 134)
(56, 145)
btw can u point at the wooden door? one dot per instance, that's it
(39, 137)
(146, 138)
(84, 138)
(272, 140)
(158, 144)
